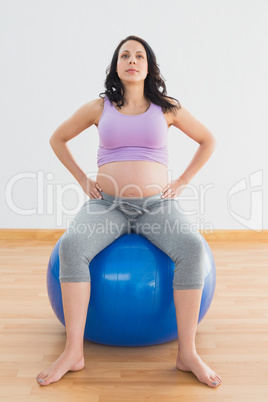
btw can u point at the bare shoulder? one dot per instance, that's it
(92, 110)
(82, 118)
(89, 113)
(190, 125)
(169, 115)
(179, 114)
(98, 105)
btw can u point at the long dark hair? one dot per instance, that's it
(153, 81)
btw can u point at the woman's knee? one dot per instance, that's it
(70, 245)
(74, 258)
(189, 262)
(189, 246)
(195, 246)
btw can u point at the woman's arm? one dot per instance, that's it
(81, 119)
(196, 130)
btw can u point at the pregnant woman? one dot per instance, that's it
(132, 194)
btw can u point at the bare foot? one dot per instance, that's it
(193, 363)
(66, 362)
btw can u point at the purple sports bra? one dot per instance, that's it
(132, 137)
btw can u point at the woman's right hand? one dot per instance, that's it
(90, 187)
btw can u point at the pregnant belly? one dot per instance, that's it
(134, 179)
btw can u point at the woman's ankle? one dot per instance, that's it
(187, 351)
(73, 350)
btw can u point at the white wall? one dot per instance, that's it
(213, 56)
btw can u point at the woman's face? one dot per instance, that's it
(132, 55)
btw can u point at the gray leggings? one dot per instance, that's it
(101, 221)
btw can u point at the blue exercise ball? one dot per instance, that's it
(131, 299)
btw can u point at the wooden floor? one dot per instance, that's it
(232, 338)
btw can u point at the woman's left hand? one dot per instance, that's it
(174, 188)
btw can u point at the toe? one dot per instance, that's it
(214, 382)
(218, 378)
(42, 378)
(44, 381)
